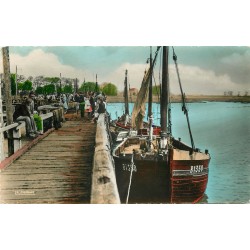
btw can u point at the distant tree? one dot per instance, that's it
(67, 80)
(52, 79)
(68, 89)
(39, 90)
(20, 86)
(21, 78)
(49, 89)
(110, 89)
(59, 89)
(30, 78)
(38, 81)
(89, 86)
(27, 85)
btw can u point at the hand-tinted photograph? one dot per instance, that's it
(124, 125)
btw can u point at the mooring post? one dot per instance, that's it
(1, 124)
(8, 99)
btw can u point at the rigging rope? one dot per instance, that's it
(184, 107)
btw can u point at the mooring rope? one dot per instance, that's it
(130, 178)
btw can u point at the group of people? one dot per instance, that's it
(91, 103)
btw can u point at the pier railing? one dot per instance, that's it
(104, 188)
(14, 138)
(14, 135)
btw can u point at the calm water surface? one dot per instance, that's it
(224, 129)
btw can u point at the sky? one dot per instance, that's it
(206, 70)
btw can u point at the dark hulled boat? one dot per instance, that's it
(160, 169)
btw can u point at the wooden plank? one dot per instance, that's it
(25, 162)
(57, 169)
(59, 166)
(45, 184)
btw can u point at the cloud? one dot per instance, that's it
(135, 75)
(233, 61)
(195, 79)
(237, 65)
(200, 81)
(38, 63)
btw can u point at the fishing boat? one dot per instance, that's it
(159, 168)
(122, 127)
(123, 122)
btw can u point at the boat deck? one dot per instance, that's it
(57, 169)
(136, 145)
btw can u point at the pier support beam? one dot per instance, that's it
(104, 188)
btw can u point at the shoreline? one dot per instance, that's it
(189, 99)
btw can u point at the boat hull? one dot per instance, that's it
(189, 178)
(148, 183)
(171, 180)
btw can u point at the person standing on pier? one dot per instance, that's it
(34, 113)
(92, 103)
(88, 107)
(100, 107)
(82, 105)
(64, 102)
(77, 100)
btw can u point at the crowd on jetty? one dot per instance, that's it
(89, 104)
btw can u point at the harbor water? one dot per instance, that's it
(224, 129)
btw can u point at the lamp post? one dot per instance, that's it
(16, 81)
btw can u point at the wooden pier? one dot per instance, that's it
(72, 164)
(58, 169)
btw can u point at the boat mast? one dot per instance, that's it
(150, 94)
(126, 92)
(150, 89)
(164, 98)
